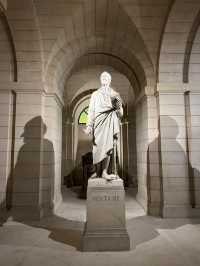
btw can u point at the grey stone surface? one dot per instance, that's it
(105, 228)
(55, 241)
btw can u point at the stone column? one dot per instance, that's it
(26, 180)
(176, 164)
(69, 151)
(7, 117)
(132, 149)
(192, 101)
(147, 155)
(154, 181)
(142, 145)
(52, 151)
(20, 143)
(124, 151)
(30, 161)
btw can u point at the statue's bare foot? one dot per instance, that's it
(107, 176)
(94, 175)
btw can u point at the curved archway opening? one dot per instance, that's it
(110, 47)
(79, 87)
(8, 59)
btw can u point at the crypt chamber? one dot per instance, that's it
(52, 54)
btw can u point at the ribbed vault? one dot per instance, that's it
(97, 27)
(8, 62)
(177, 41)
(84, 79)
(103, 59)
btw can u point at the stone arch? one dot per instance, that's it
(8, 51)
(25, 34)
(161, 38)
(133, 67)
(119, 37)
(175, 41)
(77, 99)
(189, 47)
(88, 73)
(92, 59)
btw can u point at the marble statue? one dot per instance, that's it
(104, 114)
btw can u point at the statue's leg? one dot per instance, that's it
(97, 172)
(115, 156)
(105, 165)
(98, 169)
(115, 159)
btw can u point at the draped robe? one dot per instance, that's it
(103, 119)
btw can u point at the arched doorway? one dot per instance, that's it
(78, 92)
(128, 55)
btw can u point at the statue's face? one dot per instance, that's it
(105, 80)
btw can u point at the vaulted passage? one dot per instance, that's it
(51, 56)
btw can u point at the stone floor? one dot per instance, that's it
(55, 241)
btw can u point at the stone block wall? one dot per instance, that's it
(52, 147)
(6, 116)
(193, 143)
(21, 192)
(6, 53)
(177, 131)
(30, 148)
(131, 146)
(154, 178)
(148, 161)
(167, 132)
(132, 154)
(27, 170)
(142, 145)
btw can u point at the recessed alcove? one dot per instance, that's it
(78, 90)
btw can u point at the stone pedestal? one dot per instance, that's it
(105, 228)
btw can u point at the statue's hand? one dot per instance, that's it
(88, 130)
(116, 103)
(120, 112)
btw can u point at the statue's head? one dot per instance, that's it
(105, 78)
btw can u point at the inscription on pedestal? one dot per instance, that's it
(106, 197)
(105, 228)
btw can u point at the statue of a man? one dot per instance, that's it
(104, 114)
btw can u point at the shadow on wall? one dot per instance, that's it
(25, 178)
(162, 158)
(30, 185)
